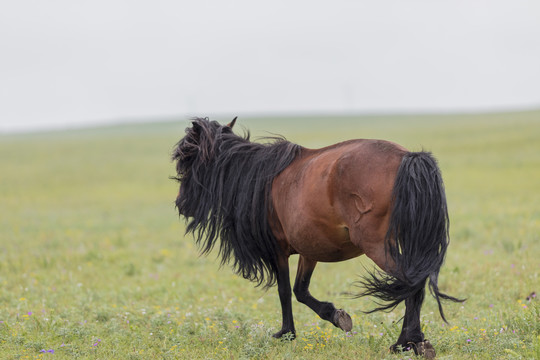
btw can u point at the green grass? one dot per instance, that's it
(94, 264)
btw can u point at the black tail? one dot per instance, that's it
(417, 237)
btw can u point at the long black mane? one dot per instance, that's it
(225, 194)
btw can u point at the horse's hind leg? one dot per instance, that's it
(411, 337)
(325, 310)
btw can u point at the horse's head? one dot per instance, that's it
(198, 147)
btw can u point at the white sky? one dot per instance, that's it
(66, 62)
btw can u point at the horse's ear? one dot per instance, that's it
(231, 124)
(196, 128)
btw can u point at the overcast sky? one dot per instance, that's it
(65, 62)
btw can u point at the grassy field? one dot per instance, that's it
(94, 264)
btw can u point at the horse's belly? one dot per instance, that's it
(326, 249)
(334, 255)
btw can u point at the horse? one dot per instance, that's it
(263, 202)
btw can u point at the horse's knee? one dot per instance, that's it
(301, 295)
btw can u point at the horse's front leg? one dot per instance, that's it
(325, 310)
(285, 295)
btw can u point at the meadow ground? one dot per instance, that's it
(94, 263)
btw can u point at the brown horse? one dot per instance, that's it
(266, 202)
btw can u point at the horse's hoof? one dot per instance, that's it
(426, 349)
(285, 335)
(342, 320)
(422, 348)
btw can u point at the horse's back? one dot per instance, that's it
(332, 203)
